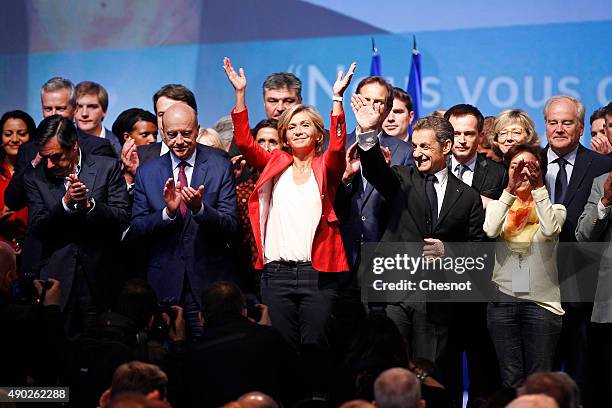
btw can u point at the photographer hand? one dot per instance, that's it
(265, 315)
(177, 328)
(54, 293)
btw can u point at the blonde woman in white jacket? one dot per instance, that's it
(525, 319)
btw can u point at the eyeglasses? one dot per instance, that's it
(510, 133)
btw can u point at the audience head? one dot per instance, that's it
(266, 134)
(281, 91)
(137, 301)
(501, 398)
(58, 97)
(432, 142)
(564, 117)
(377, 91)
(140, 378)
(137, 124)
(484, 141)
(167, 96)
(401, 115)
(180, 129)
(57, 141)
(210, 137)
(598, 121)
(398, 388)
(298, 121)
(135, 401)
(256, 400)
(8, 267)
(17, 128)
(533, 401)
(608, 121)
(467, 122)
(512, 127)
(557, 385)
(222, 299)
(91, 107)
(359, 403)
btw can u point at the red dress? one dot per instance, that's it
(12, 227)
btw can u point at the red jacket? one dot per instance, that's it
(327, 249)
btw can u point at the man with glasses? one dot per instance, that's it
(571, 170)
(185, 207)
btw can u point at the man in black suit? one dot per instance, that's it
(429, 205)
(239, 354)
(78, 208)
(569, 177)
(362, 211)
(58, 97)
(469, 331)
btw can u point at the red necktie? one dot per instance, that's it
(183, 181)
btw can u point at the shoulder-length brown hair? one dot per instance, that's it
(313, 115)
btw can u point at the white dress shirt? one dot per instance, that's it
(440, 186)
(468, 174)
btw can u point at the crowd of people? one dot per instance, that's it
(221, 265)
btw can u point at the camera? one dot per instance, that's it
(25, 292)
(160, 329)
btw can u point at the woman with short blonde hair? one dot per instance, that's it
(512, 127)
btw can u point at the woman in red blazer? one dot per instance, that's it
(291, 212)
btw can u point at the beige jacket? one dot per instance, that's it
(541, 257)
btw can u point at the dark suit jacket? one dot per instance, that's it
(239, 356)
(90, 239)
(114, 141)
(148, 152)
(460, 219)
(574, 262)
(196, 246)
(490, 178)
(364, 213)
(588, 165)
(14, 195)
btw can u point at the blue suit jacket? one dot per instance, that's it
(363, 217)
(196, 247)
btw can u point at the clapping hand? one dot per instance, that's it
(172, 196)
(192, 198)
(353, 164)
(516, 179)
(129, 158)
(76, 193)
(535, 174)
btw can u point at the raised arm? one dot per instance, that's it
(335, 154)
(255, 155)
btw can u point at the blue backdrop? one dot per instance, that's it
(487, 53)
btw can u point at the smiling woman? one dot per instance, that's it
(16, 126)
(291, 211)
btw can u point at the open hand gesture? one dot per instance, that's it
(535, 174)
(368, 117)
(342, 82)
(238, 80)
(606, 200)
(353, 163)
(172, 196)
(515, 180)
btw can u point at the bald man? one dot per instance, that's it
(398, 387)
(185, 210)
(533, 401)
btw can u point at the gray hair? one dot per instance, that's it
(397, 388)
(57, 83)
(579, 106)
(281, 80)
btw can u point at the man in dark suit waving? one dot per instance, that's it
(427, 204)
(185, 208)
(78, 207)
